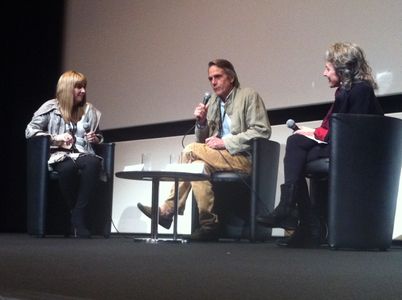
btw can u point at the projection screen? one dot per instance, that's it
(146, 61)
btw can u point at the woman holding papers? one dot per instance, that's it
(347, 70)
(73, 127)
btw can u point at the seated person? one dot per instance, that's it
(224, 127)
(347, 70)
(73, 126)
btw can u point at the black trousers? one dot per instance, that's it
(78, 179)
(299, 151)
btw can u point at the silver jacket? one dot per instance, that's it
(47, 120)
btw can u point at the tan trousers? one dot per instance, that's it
(214, 160)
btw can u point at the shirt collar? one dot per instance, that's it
(228, 97)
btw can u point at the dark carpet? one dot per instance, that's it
(119, 268)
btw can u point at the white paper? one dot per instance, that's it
(137, 167)
(197, 168)
(309, 133)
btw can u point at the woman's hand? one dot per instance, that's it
(92, 137)
(64, 140)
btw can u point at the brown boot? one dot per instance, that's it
(165, 220)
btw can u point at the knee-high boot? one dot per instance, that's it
(285, 215)
(308, 233)
(78, 223)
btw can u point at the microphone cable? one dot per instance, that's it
(184, 136)
(118, 232)
(205, 100)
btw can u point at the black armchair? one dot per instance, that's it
(239, 196)
(362, 180)
(47, 213)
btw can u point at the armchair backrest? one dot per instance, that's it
(106, 150)
(365, 165)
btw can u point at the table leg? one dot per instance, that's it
(155, 209)
(176, 201)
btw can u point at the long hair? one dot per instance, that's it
(227, 67)
(65, 95)
(350, 64)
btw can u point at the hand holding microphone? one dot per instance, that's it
(200, 114)
(201, 110)
(90, 135)
(206, 98)
(86, 126)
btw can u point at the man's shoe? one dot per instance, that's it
(204, 234)
(164, 220)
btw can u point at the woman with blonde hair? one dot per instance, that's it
(347, 70)
(73, 127)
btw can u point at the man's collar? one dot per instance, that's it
(229, 96)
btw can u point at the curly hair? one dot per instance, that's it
(350, 64)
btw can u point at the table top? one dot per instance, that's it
(162, 175)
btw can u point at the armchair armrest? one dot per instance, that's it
(106, 150)
(265, 160)
(38, 151)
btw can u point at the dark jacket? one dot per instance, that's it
(360, 99)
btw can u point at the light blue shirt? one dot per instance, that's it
(226, 122)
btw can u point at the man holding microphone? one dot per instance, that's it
(224, 126)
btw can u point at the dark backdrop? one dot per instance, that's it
(33, 42)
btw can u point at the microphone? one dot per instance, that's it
(292, 125)
(206, 98)
(86, 126)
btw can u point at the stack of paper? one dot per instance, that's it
(197, 168)
(137, 167)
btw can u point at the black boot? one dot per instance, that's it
(308, 233)
(80, 230)
(285, 215)
(312, 238)
(296, 240)
(305, 236)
